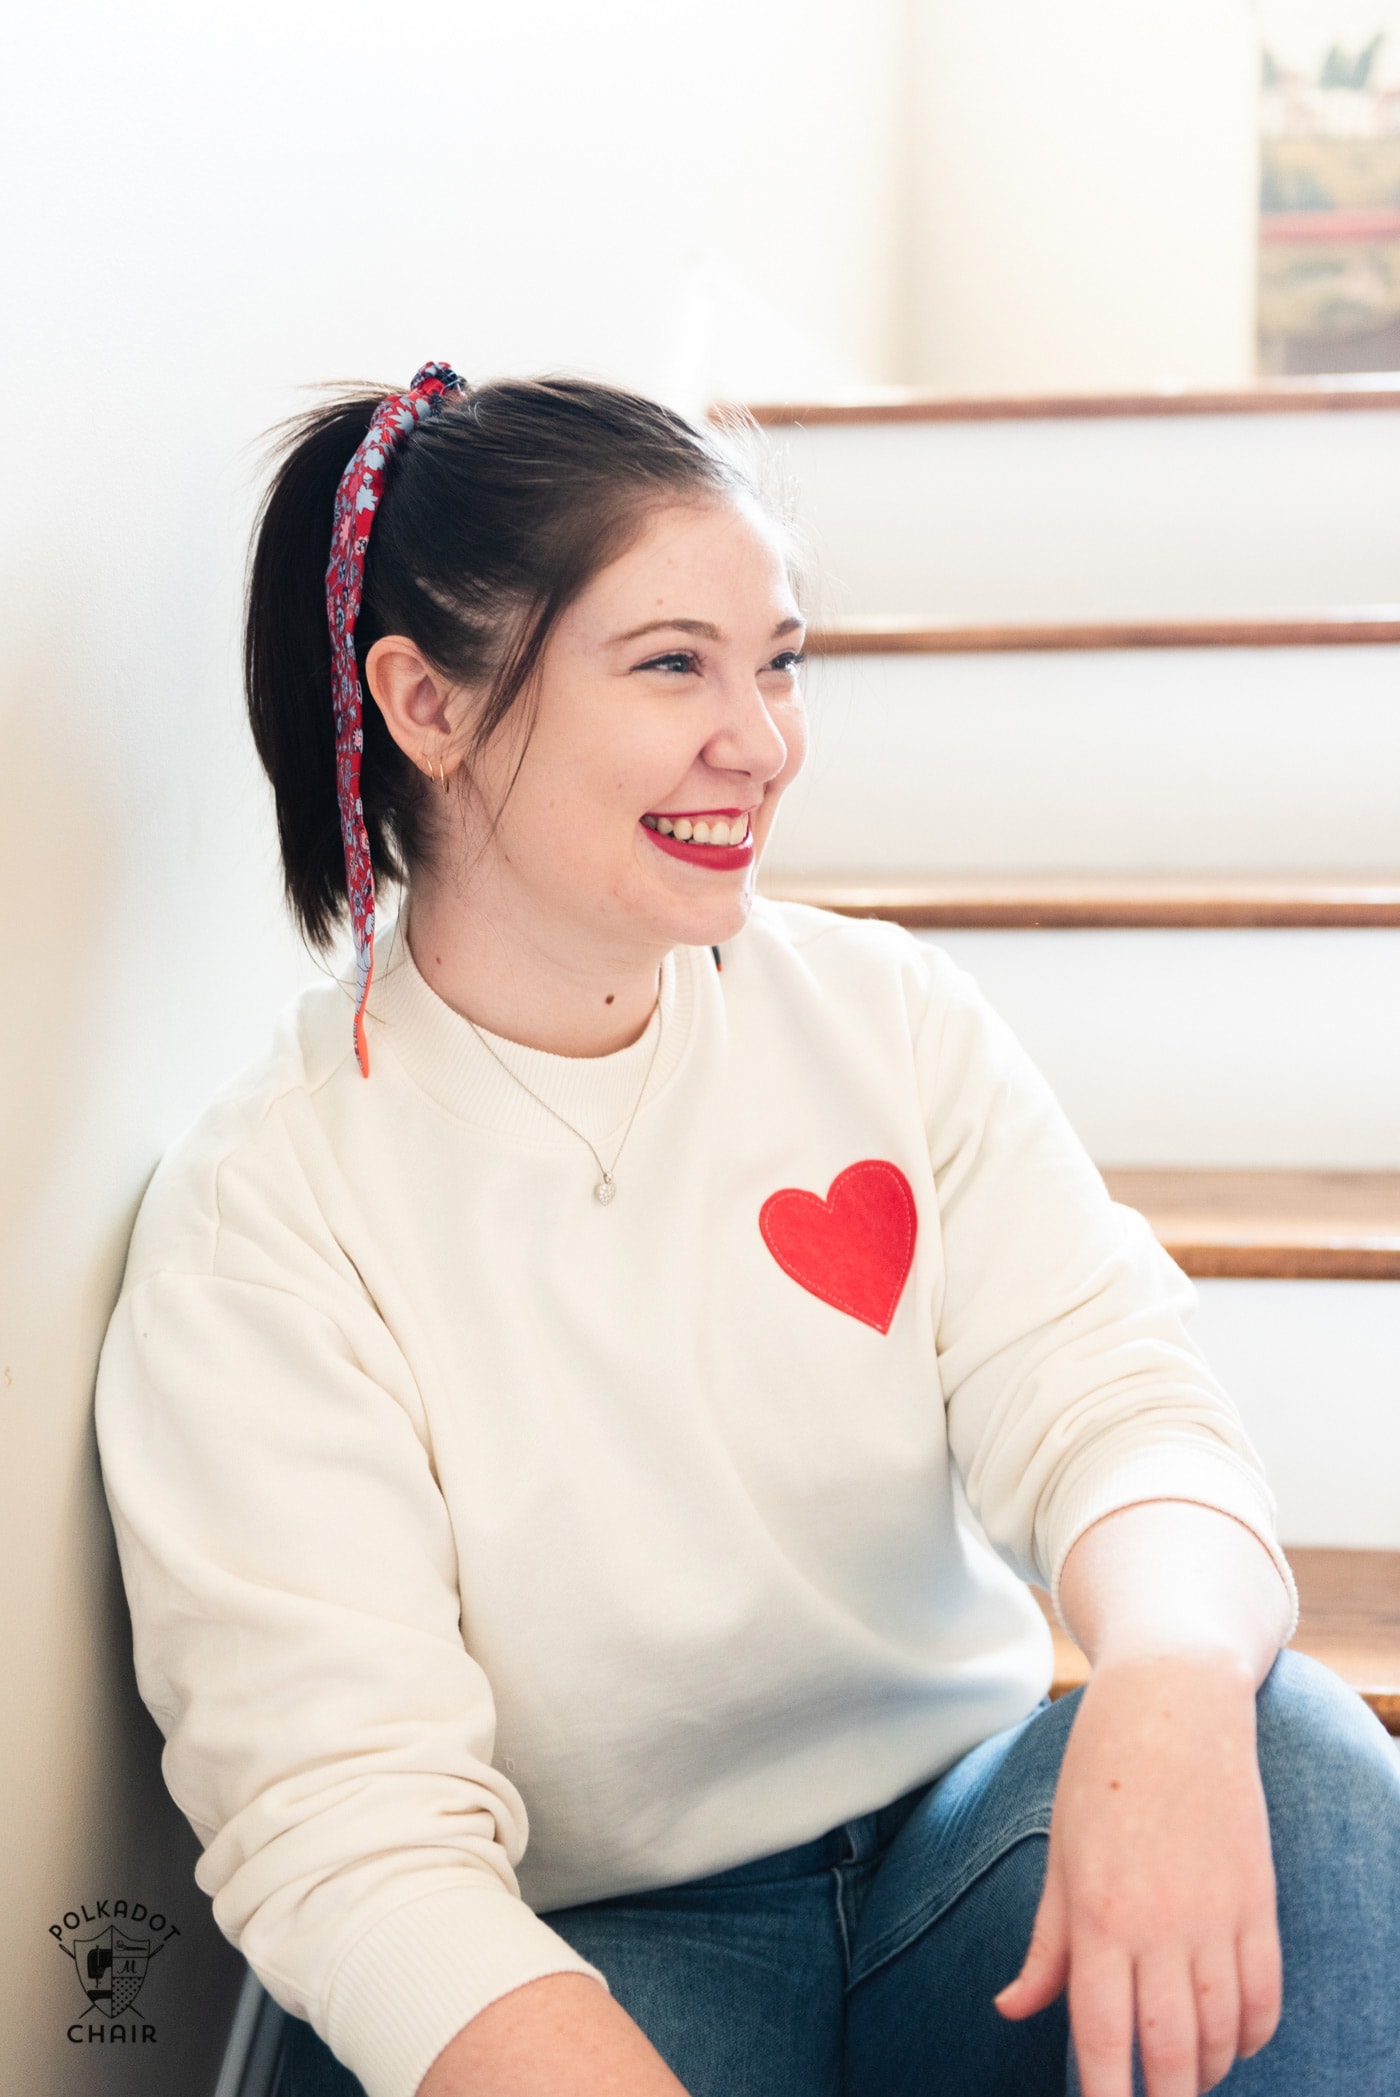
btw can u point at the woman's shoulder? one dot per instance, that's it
(249, 1137)
(900, 992)
(848, 956)
(819, 939)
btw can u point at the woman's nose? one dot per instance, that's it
(748, 740)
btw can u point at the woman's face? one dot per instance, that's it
(669, 712)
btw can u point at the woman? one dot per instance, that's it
(539, 1386)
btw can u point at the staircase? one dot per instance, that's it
(1106, 700)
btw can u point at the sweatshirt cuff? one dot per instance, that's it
(413, 1980)
(1207, 1477)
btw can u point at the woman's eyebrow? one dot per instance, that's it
(700, 627)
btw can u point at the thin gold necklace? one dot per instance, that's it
(606, 1189)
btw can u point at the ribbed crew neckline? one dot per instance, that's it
(439, 1050)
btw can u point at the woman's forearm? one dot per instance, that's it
(562, 2036)
(1170, 1577)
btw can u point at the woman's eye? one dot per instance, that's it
(677, 663)
(790, 659)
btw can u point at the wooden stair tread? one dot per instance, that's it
(1271, 1224)
(1349, 626)
(1330, 395)
(1350, 1620)
(923, 903)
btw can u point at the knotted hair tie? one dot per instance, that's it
(356, 501)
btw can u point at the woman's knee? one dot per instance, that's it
(1331, 1777)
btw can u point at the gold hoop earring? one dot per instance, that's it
(442, 778)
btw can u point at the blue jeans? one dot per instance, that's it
(863, 1964)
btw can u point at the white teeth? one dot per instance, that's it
(703, 832)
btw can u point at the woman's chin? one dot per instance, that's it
(707, 920)
(690, 903)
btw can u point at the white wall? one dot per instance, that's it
(790, 129)
(1083, 179)
(205, 209)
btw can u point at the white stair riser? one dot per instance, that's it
(1314, 1368)
(1165, 760)
(1208, 1048)
(1100, 518)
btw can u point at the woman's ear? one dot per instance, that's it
(420, 708)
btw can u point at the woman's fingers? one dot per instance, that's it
(1101, 2021)
(1217, 1982)
(1045, 1968)
(1168, 2037)
(1261, 1986)
(1191, 2024)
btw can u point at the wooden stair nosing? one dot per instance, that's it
(1372, 390)
(1125, 905)
(1270, 1224)
(1354, 626)
(1284, 1262)
(1350, 1620)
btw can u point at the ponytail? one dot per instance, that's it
(287, 671)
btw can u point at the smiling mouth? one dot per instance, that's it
(719, 839)
(717, 828)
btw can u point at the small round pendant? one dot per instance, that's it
(605, 1189)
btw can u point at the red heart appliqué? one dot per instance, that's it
(853, 1250)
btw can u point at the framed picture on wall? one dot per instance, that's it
(1329, 192)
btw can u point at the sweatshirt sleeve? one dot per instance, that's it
(1072, 1386)
(293, 1586)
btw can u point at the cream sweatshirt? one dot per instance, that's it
(446, 1495)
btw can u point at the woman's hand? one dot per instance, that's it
(1159, 1911)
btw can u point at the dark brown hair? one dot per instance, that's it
(496, 513)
